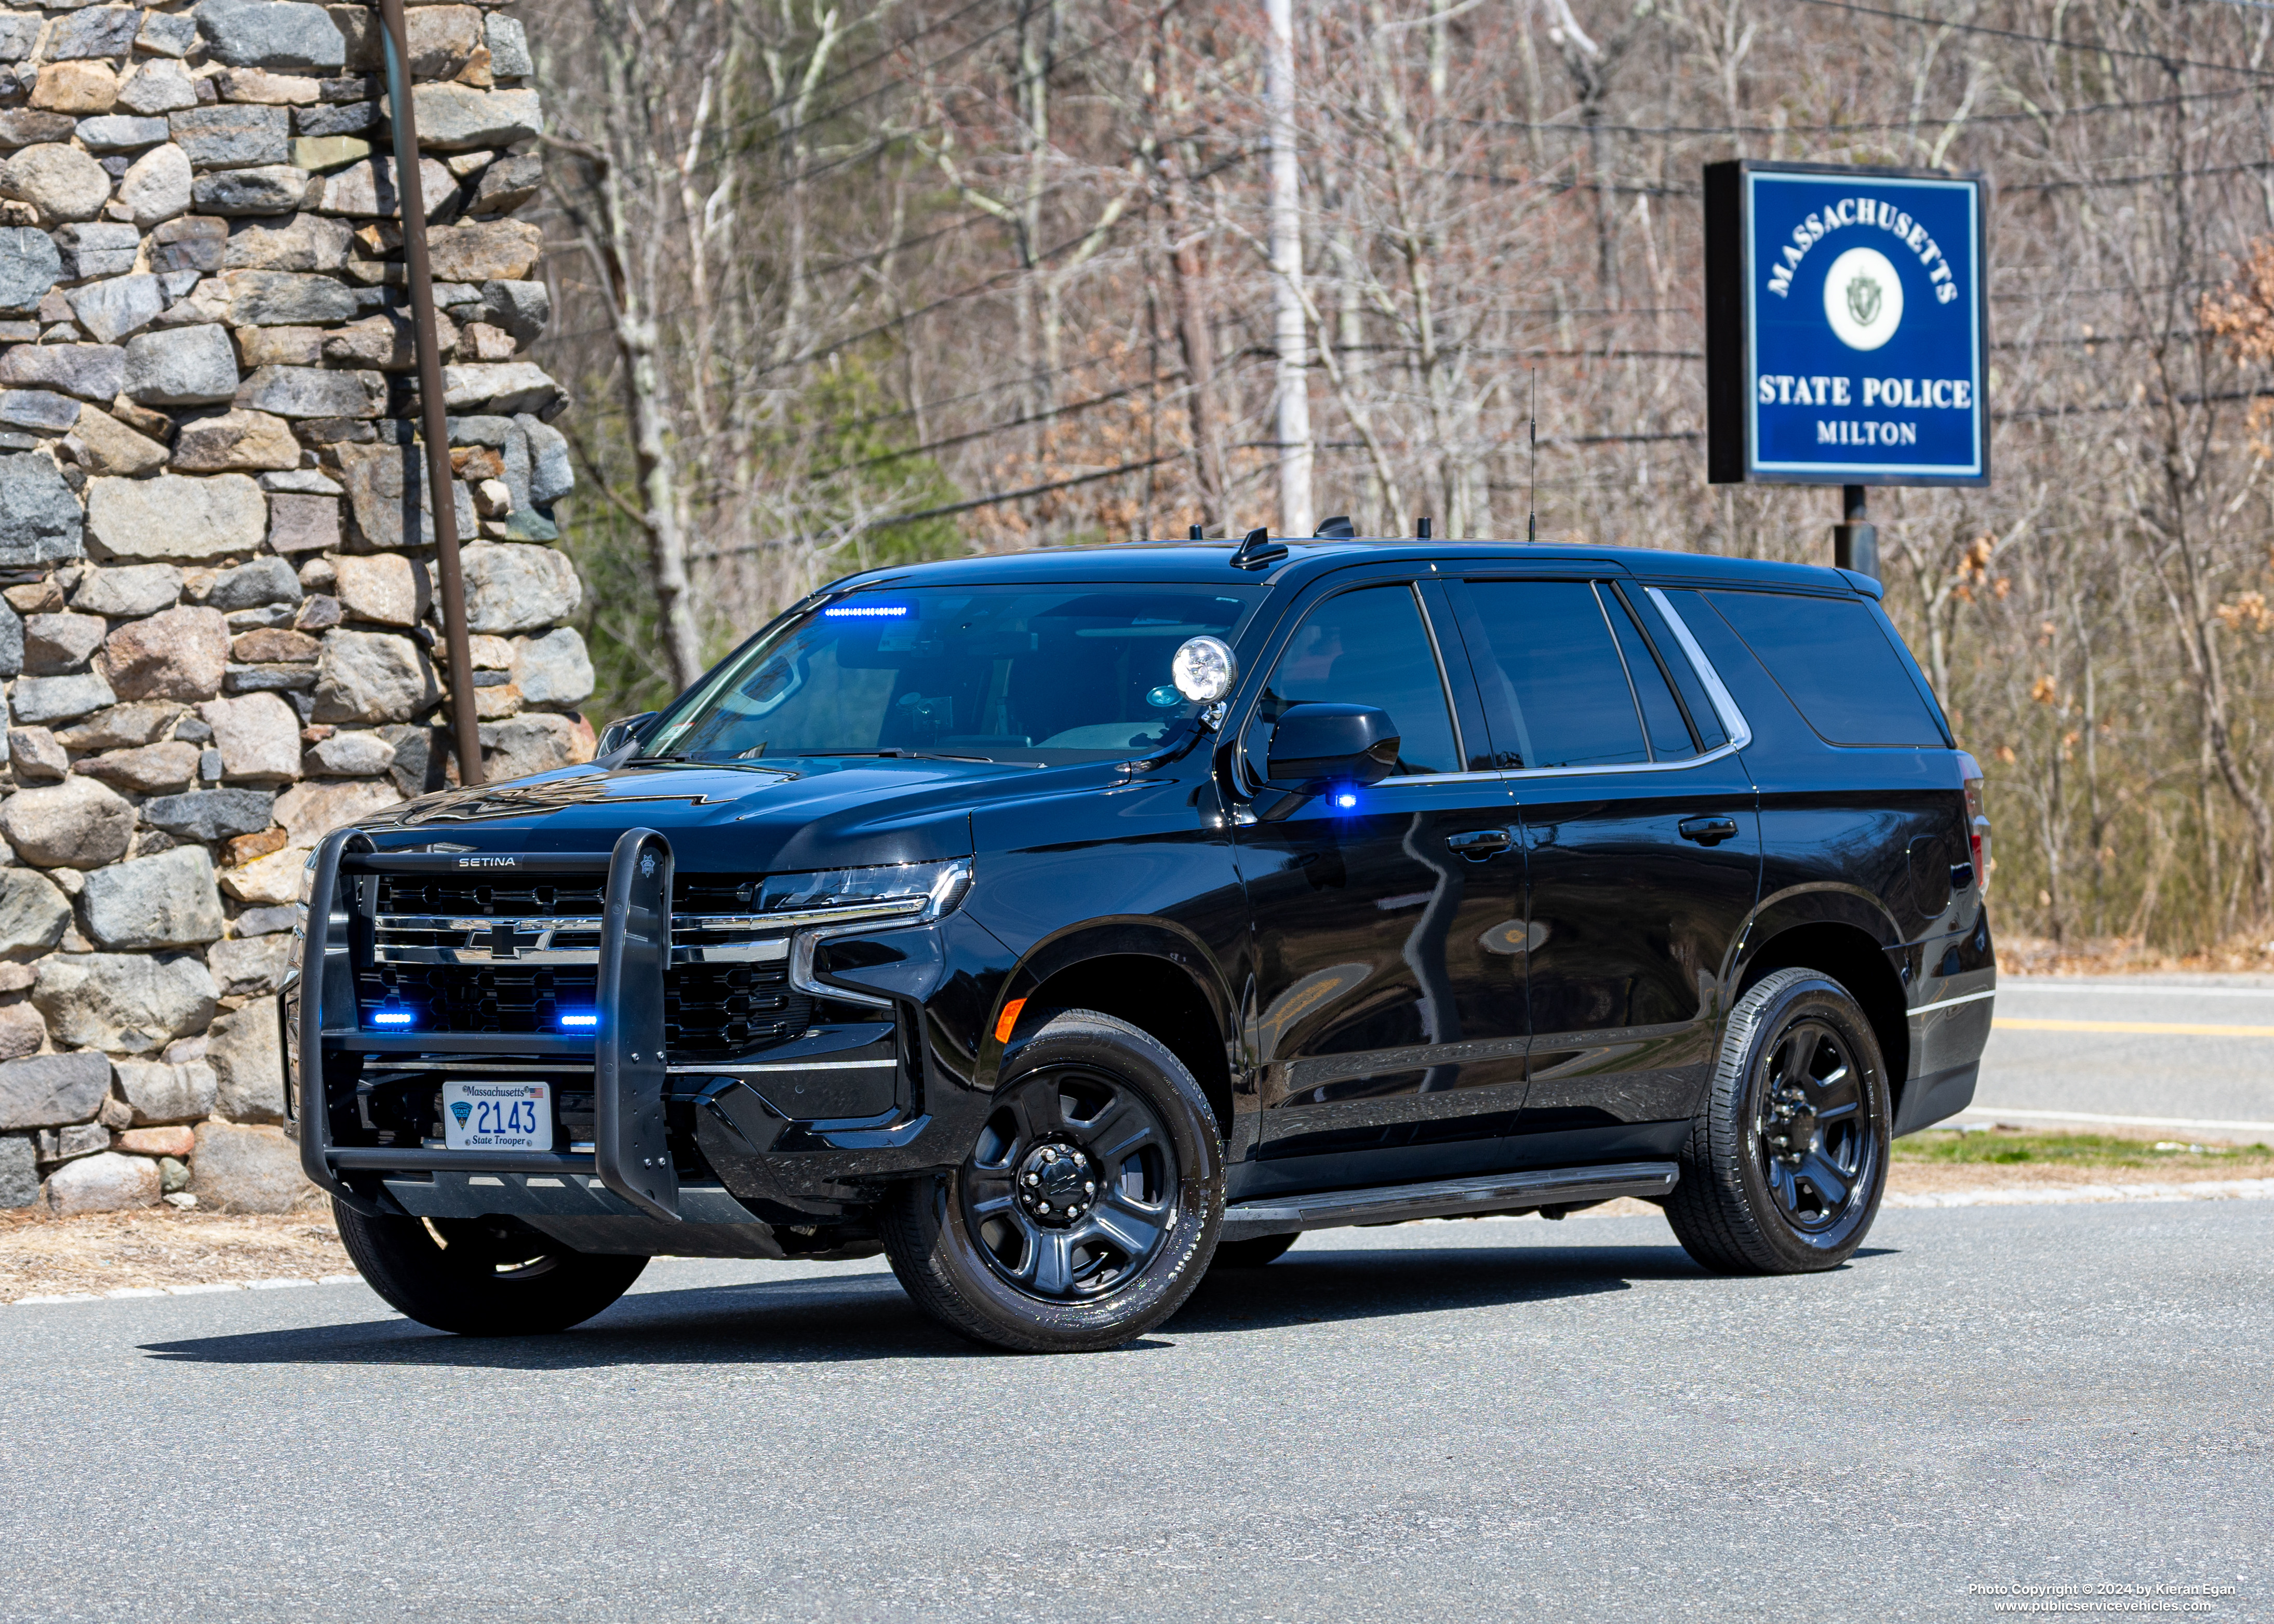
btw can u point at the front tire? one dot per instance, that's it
(1086, 1213)
(1787, 1157)
(482, 1277)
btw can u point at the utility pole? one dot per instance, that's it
(1292, 398)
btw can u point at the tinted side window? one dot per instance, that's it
(1661, 715)
(1834, 664)
(1565, 678)
(1703, 717)
(1366, 648)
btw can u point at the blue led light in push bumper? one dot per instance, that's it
(391, 1017)
(865, 611)
(1344, 800)
(579, 1020)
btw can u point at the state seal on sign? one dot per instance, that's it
(1862, 299)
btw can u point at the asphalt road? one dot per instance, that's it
(1454, 1421)
(2185, 1050)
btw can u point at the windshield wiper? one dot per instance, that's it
(899, 754)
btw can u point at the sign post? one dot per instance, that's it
(1847, 333)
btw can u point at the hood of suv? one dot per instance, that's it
(796, 813)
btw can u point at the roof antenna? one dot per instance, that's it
(1258, 550)
(1421, 528)
(1531, 502)
(1199, 532)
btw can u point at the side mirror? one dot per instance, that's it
(1318, 745)
(623, 731)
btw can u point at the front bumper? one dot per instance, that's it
(799, 1135)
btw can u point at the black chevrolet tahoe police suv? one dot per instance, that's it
(1066, 924)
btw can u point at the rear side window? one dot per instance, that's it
(1662, 712)
(1835, 664)
(1566, 681)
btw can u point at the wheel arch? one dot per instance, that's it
(1146, 972)
(1847, 936)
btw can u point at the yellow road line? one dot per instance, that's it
(2169, 1028)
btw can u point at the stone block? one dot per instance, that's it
(19, 34)
(553, 672)
(98, 31)
(372, 677)
(108, 1183)
(248, 586)
(320, 153)
(387, 341)
(309, 812)
(173, 516)
(182, 366)
(244, 968)
(515, 588)
(239, 440)
(303, 523)
(147, 769)
(247, 1056)
(167, 901)
(117, 307)
(507, 185)
(20, 1176)
(273, 89)
(257, 736)
(40, 518)
(23, 127)
(246, 1170)
(304, 243)
(61, 182)
(64, 1144)
(78, 823)
(234, 135)
(456, 118)
(128, 1003)
(92, 371)
(265, 922)
(368, 190)
(265, 189)
(37, 757)
(508, 47)
(533, 743)
(42, 411)
(76, 87)
(159, 87)
(43, 700)
(192, 242)
(385, 587)
(47, 1091)
(54, 643)
(168, 33)
(176, 654)
(314, 391)
(145, 722)
(122, 132)
(178, 1142)
(259, 347)
(380, 481)
(29, 265)
(270, 34)
(22, 1031)
(211, 814)
(98, 248)
(160, 1091)
(33, 915)
(349, 756)
(442, 39)
(275, 878)
(485, 250)
(109, 447)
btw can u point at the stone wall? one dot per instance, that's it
(221, 636)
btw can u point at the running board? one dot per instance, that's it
(1556, 1188)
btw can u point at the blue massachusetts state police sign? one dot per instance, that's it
(1845, 326)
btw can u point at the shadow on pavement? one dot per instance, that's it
(848, 1319)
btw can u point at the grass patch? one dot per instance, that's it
(2005, 1146)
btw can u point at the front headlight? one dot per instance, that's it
(894, 894)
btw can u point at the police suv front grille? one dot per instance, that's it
(451, 955)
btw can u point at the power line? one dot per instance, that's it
(2159, 57)
(2092, 109)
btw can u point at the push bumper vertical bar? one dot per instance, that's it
(323, 984)
(631, 1139)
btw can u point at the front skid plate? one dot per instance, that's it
(1495, 1192)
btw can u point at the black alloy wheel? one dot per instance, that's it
(1085, 1212)
(1787, 1156)
(492, 1276)
(1073, 1185)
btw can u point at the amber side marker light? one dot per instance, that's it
(1010, 1018)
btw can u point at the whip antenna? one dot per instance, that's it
(1532, 501)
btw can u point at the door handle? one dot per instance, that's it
(1479, 844)
(1709, 830)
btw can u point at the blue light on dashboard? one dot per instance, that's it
(392, 1017)
(580, 1020)
(865, 611)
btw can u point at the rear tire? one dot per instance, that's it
(1086, 1213)
(482, 1277)
(1787, 1157)
(1251, 1254)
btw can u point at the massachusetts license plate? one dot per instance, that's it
(497, 1115)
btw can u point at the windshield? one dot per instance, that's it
(1042, 674)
